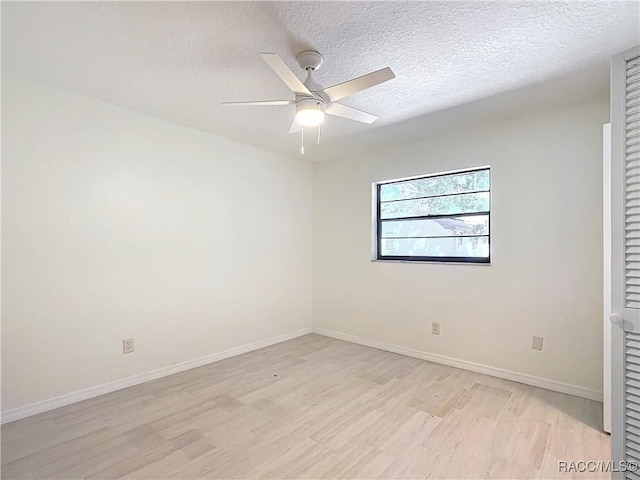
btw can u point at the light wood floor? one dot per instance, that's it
(313, 407)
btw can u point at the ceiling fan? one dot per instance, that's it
(312, 101)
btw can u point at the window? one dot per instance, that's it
(436, 218)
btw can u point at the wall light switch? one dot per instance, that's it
(435, 328)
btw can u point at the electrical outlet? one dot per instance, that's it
(537, 343)
(127, 345)
(435, 328)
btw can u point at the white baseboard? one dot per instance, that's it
(466, 365)
(73, 397)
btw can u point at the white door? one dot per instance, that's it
(625, 261)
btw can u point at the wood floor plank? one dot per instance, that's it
(312, 407)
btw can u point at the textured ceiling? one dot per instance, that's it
(179, 60)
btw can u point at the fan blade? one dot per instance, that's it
(340, 110)
(267, 103)
(356, 85)
(285, 74)
(295, 126)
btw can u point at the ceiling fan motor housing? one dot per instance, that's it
(310, 104)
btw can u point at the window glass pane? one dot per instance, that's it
(434, 186)
(436, 247)
(437, 227)
(464, 203)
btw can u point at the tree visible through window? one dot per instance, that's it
(438, 218)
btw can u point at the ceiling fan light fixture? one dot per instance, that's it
(310, 112)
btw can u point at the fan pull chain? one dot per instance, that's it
(302, 139)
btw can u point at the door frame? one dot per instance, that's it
(606, 271)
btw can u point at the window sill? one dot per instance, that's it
(431, 262)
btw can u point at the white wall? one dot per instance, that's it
(546, 273)
(117, 224)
